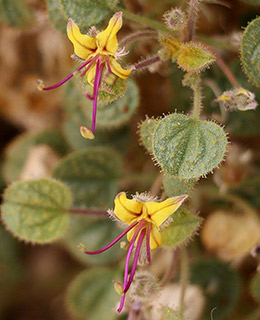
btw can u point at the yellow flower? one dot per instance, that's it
(145, 216)
(154, 213)
(99, 51)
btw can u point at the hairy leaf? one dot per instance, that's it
(146, 131)
(174, 186)
(36, 210)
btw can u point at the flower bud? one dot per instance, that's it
(237, 99)
(175, 19)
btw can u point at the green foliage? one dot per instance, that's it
(94, 233)
(252, 2)
(15, 13)
(193, 57)
(36, 210)
(181, 229)
(169, 314)
(146, 130)
(91, 175)
(174, 186)
(56, 15)
(250, 51)
(87, 13)
(220, 284)
(255, 287)
(18, 150)
(187, 147)
(92, 296)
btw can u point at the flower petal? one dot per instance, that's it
(127, 210)
(118, 70)
(84, 45)
(160, 211)
(91, 74)
(155, 237)
(107, 39)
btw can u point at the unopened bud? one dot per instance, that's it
(191, 80)
(237, 99)
(175, 19)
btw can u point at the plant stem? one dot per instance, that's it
(143, 34)
(99, 213)
(227, 72)
(184, 278)
(146, 63)
(156, 186)
(192, 18)
(197, 100)
(142, 20)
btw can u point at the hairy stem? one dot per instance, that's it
(184, 278)
(143, 34)
(197, 100)
(192, 18)
(227, 72)
(146, 63)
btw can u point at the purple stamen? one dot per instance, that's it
(148, 248)
(89, 96)
(136, 256)
(99, 70)
(122, 302)
(108, 65)
(69, 76)
(90, 65)
(114, 241)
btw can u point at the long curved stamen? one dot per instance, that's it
(57, 85)
(114, 241)
(134, 266)
(148, 248)
(108, 65)
(99, 70)
(90, 65)
(131, 247)
(89, 96)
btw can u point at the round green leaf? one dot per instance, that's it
(87, 13)
(56, 15)
(94, 233)
(188, 148)
(19, 148)
(183, 226)
(146, 131)
(220, 284)
(92, 296)
(255, 287)
(250, 51)
(36, 210)
(15, 13)
(175, 186)
(92, 176)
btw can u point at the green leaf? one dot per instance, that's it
(193, 57)
(18, 150)
(255, 287)
(250, 51)
(183, 226)
(15, 13)
(188, 148)
(87, 13)
(220, 285)
(174, 186)
(146, 131)
(36, 210)
(169, 314)
(92, 176)
(94, 233)
(56, 15)
(92, 296)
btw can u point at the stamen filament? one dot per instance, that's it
(57, 85)
(108, 65)
(136, 256)
(90, 65)
(148, 248)
(114, 241)
(99, 70)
